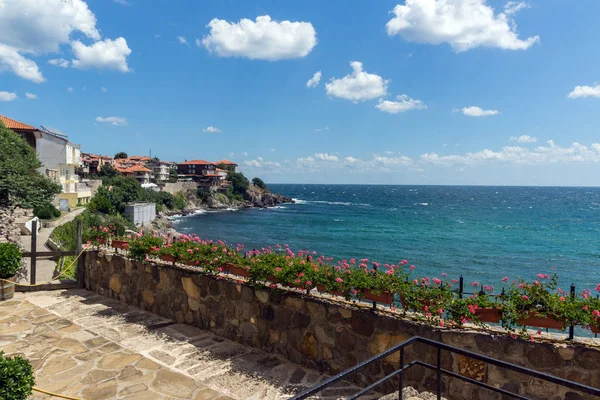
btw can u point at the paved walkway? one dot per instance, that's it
(89, 346)
(45, 267)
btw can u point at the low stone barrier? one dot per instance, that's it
(332, 335)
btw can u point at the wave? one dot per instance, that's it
(422, 204)
(299, 201)
(333, 203)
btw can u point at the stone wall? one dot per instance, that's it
(184, 187)
(330, 335)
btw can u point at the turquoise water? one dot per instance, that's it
(483, 233)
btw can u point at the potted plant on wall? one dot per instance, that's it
(10, 262)
(480, 308)
(16, 378)
(143, 246)
(540, 304)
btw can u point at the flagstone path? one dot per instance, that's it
(91, 347)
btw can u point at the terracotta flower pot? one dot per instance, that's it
(167, 258)
(488, 314)
(383, 297)
(322, 289)
(236, 270)
(120, 244)
(539, 321)
(7, 289)
(595, 329)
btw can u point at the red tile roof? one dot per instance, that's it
(196, 162)
(221, 170)
(14, 124)
(138, 168)
(224, 161)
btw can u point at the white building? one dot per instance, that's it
(60, 159)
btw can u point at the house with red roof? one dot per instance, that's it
(229, 165)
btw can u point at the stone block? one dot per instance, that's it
(472, 368)
(115, 283)
(316, 310)
(295, 303)
(309, 346)
(190, 288)
(262, 296)
(148, 297)
(345, 340)
(362, 324)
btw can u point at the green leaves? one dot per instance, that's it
(10, 260)
(16, 378)
(20, 182)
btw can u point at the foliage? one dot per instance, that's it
(16, 378)
(172, 175)
(10, 260)
(20, 182)
(161, 199)
(108, 171)
(120, 154)
(115, 193)
(101, 202)
(143, 246)
(47, 211)
(260, 184)
(203, 194)
(239, 183)
(226, 167)
(465, 310)
(179, 201)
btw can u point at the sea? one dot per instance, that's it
(483, 233)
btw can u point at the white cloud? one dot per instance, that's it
(464, 24)
(513, 7)
(39, 27)
(70, 89)
(326, 157)
(585, 91)
(264, 39)
(358, 86)
(8, 96)
(273, 150)
(31, 96)
(404, 104)
(182, 39)
(523, 139)
(103, 54)
(60, 62)
(474, 111)
(211, 129)
(116, 121)
(124, 2)
(104, 89)
(261, 163)
(314, 81)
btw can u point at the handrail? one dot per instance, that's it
(441, 371)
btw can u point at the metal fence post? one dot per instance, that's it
(401, 375)
(572, 327)
(32, 264)
(439, 373)
(79, 272)
(461, 283)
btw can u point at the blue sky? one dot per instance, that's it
(134, 76)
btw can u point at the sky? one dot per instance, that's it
(466, 92)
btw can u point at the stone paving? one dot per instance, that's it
(88, 346)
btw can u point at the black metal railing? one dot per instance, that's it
(440, 372)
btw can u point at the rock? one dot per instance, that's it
(148, 297)
(173, 384)
(262, 296)
(309, 346)
(104, 390)
(115, 283)
(190, 288)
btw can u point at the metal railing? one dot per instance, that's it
(440, 372)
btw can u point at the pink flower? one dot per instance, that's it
(440, 311)
(444, 275)
(412, 267)
(525, 297)
(562, 298)
(539, 332)
(278, 269)
(437, 281)
(442, 323)
(403, 262)
(505, 279)
(339, 280)
(475, 284)
(596, 313)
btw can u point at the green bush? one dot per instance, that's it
(203, 194)
(47, 211)
(179, 201)
(260, 184)
(239, 182)
(16, 378)
(10, 260)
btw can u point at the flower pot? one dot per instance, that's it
(235, 270)
(540, 321)
(7, 289)
(271, 278)
(167, 258)
(190, 263)
(595, 329)
(488, 314)
(120, 244)
(383, 297)
(321, 289)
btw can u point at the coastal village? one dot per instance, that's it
(66, 163)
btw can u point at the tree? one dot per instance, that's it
(260, 184)
(121, 154)
(226, 167)
(20, 182)
(108, 171)
(239, 182)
